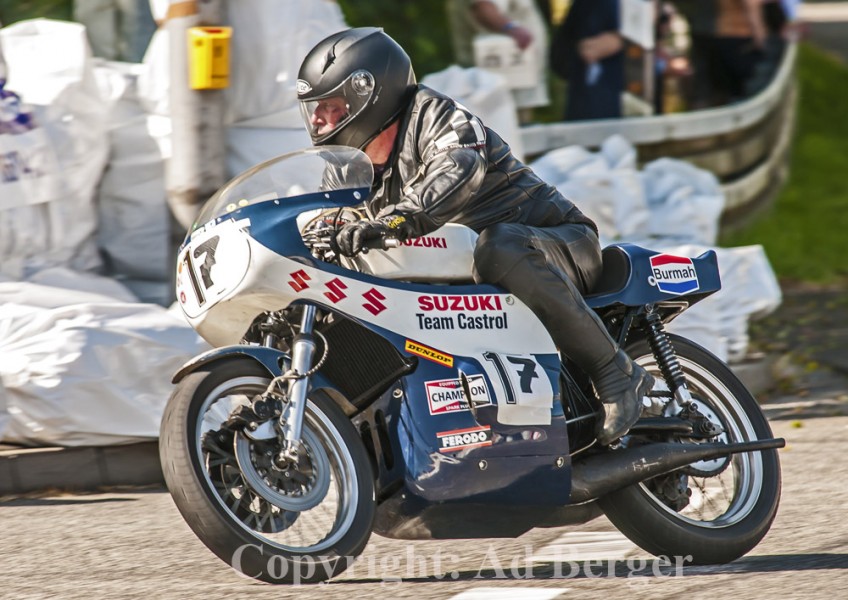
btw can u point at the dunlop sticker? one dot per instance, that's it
(429, 353)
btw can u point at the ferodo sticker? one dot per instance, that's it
(428, 353)
(673, 274)
(447, 395)
(463, 439)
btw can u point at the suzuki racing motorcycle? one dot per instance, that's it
(388, 393)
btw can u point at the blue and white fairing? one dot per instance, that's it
(480, 417)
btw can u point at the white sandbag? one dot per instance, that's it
(39, 290)
(486, 95)
(91, 373)
(30, 169)
(249, 146)
(555, 166)
(749, 291)
(49, 66)
(605, 185)
(686, 202)
(270, 40)
(133, 233)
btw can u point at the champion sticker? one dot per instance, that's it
(446, 395)
(673, 274)
(428, 353)
(303, 87)
(464, 439)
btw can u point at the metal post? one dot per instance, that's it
(196, 168)
(650, 67)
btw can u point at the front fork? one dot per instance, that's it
(302, 353)
(290, 423)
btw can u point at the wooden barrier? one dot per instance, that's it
(746, 145)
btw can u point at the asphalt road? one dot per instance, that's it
(135, 545)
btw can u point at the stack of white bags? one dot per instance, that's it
(673, 207)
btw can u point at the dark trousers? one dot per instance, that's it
(723, 67)
(550, 269)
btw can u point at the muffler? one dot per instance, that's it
(600, 474)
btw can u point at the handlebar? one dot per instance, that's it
(322, 242)
(384, 243)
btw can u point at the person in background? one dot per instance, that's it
(116, 29)
(728, 38)
(588, 52)
(436, 163)
(519, 19)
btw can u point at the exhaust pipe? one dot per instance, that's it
(600, 474)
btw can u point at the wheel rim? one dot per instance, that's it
(729, 496)
(238, 493)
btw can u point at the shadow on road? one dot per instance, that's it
(625, 569)
(775, 563)
(60, 501)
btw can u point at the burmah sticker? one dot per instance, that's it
(674, 274)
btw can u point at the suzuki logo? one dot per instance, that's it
(336, 286)
(374, 306)
(300, 278)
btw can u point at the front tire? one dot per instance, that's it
(712, 511)
(302, 527)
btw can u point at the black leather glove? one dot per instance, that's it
(354, 237)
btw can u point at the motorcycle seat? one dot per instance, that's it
(615, 272)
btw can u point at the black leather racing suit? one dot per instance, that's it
(447, 167)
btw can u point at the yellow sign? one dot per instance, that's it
(209, 57)
(429, 353)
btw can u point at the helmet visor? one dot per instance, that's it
(326, 115)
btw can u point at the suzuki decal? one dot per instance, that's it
(374, 306)
(300, 278)
(443, 302)
(336, 286)
(426, 242)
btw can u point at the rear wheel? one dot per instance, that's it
(277, 521)
(713, 511)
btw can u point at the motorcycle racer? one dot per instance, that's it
(436, 163)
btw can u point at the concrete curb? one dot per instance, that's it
(27, 470)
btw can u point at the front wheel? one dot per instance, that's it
(712, 511)
(274, 521)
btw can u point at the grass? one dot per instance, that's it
(805, 233)
(12, 11)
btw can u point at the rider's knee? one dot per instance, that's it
(498, 248)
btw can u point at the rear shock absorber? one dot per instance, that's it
(665, 356)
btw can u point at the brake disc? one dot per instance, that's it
(296, 487)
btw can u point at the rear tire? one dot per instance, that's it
(735, 501)
(224, 508)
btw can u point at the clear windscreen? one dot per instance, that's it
(321, 169)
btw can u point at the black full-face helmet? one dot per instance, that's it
(364, 76)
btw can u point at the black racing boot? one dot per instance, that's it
(621, 384)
